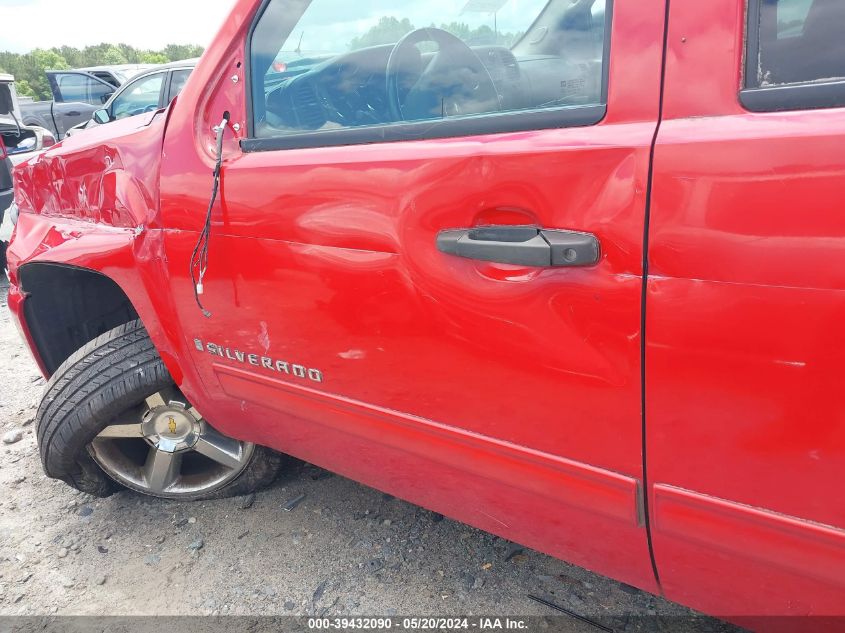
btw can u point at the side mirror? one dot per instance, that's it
(102, 116)
(7, 106)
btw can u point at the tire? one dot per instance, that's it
(102, 381)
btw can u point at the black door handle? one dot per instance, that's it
(73, 113)
(522, 245)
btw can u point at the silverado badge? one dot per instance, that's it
(265, 362)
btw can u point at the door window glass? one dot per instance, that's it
(324, 65)
(797, 41)
(78, 87)
(142, 95)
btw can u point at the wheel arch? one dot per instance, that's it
(72, 281)
(68, 306)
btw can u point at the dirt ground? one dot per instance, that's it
(345, 550)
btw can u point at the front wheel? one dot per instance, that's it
(111, 416)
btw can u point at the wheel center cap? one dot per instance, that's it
(171, 429)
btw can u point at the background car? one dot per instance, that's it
(18, 137)
(6, 197)
(147, 92)
(77, 94)
(21, 142)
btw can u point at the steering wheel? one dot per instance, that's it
(454, 82)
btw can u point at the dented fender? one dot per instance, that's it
(108, 176)
(92, 203)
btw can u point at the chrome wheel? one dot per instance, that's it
(165, 448)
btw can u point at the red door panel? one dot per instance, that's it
(746, 298)
(503, 396)
(351, 281)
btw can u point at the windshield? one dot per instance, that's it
(125, 74)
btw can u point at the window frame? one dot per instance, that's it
(169, 96)
(481, 124)
(810, 95)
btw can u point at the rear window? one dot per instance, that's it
(799, 41)
(796, 54)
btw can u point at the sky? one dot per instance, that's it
(148, 24)
(152, 24)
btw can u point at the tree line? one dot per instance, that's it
(29, 68)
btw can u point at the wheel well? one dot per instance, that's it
(68, 307)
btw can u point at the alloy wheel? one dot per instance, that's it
(165, 448)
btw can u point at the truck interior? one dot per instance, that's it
(789, 32)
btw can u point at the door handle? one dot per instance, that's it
(73, 113)
(522, 245)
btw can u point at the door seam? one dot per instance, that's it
(646, 233)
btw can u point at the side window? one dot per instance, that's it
(72, 88)
(327, 72)
(142, 95)
(177, 81)
(79, 87)
(796, 54)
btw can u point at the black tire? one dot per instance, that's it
(2, 258)
(102, 380)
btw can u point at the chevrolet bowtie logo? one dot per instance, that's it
(171, 424)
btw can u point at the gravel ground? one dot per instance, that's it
(344, 550)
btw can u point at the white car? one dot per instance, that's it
(149, 91)
(8, 224)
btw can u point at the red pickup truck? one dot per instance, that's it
(573, 273)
